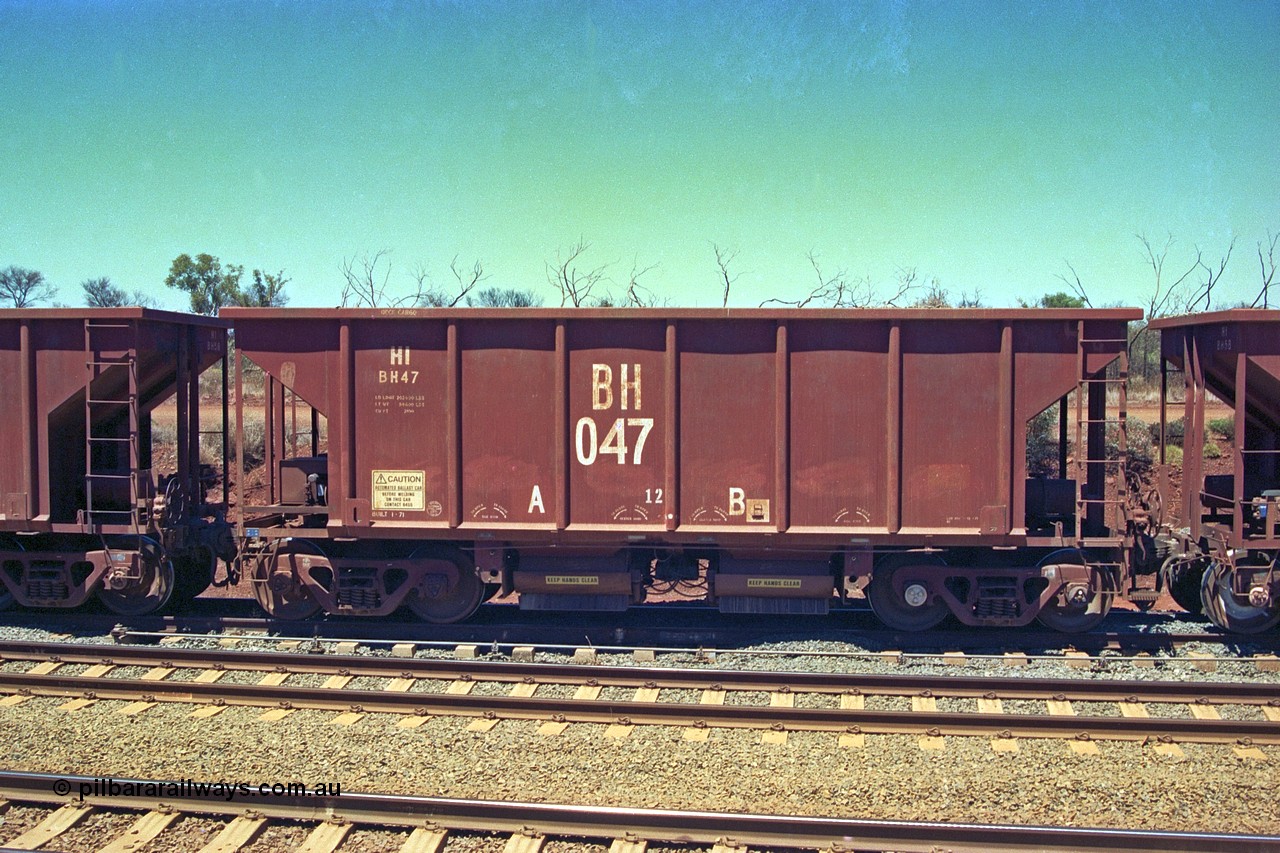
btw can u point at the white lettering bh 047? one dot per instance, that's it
(626, 436)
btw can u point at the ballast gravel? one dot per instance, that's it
(1210, 788)
(1126, 785)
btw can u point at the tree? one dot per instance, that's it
(265, 291)
(211, 286)
(204, 279)
(1055, 300)
(495, 297)
(101, 293)
(936, 296)
(23, 288)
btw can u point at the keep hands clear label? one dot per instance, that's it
(404, 490)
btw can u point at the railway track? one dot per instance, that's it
(852, 705)
(427, 822)
(676, 627)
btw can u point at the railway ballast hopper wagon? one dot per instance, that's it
(84, 509)
(771, 461)
(1226, 527)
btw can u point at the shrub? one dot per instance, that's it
(1223, 427)
(1042, 444)
(1173, 455)
(1173, 433)
(1212, 451)
(1138, 440)
(255, 445)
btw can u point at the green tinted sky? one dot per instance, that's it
(982, 143)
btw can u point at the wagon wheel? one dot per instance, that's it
(195, 570)
(908, 609)
(8, 543)
(279, 592)
(1154, 502)
(1077, 616)
(451, 602)
(151, 590)
(1227, 610)
(1183, 578)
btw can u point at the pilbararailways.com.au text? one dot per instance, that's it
(191, 789)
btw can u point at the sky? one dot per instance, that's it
(984, 144)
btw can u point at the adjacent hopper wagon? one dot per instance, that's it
(82, 512)
(771, 461)
(1226, 527)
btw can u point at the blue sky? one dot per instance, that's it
(984, 144)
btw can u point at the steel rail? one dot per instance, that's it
(895, 684)
(631, 630)
(920, 723)
(652, 825)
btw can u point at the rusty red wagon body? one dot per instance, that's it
(783, 458)
(81, 509)
(1227, 525)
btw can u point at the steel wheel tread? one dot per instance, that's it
(1075, 619)
(156, 586)
(293, 602)
(892, 609)
(1223, 610)
(461, 600)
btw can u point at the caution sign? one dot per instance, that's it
(774, 583)
(406, 490)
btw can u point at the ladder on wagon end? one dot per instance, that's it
(1101, 478)
(1095, 466)
(104, 476)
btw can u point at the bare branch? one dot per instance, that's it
(1076, 285)
(835, 291)
(466, 279)
(1212, 277)
(574, 283)
(362, 288)
(638, 295)
(1268, 265)
(725, 258)
(1171, 299)
(424, 294)
(906, 279)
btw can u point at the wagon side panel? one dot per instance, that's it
(952, 432)
(840, 422)
(728, 428)
(509, 396)
(402, 416)
(617, 424)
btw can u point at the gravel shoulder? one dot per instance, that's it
(1127, 785)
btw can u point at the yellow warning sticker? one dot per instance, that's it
(399, 490)
(774, 583)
